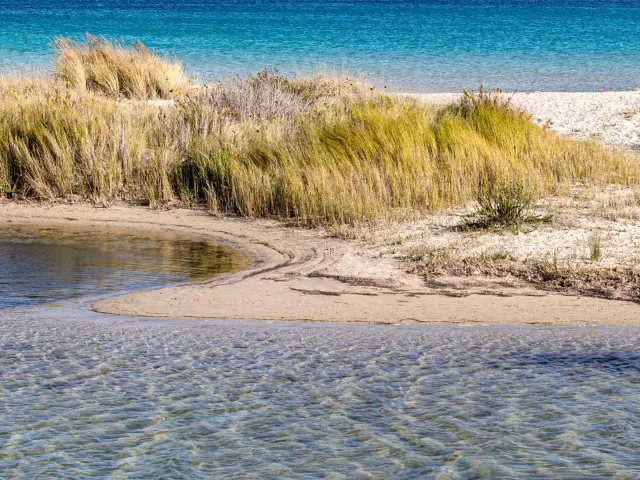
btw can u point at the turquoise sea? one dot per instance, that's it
(409, 45)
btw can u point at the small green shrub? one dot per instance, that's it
(504, 205)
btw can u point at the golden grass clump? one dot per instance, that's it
(313, 150)
(373, 157)
(118, 70)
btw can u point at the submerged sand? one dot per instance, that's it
(309, 275)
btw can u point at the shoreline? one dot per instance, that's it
(300, 274)
(308, 275)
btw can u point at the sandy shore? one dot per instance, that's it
(304, 274)
(309, 274)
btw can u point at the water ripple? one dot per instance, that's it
(181, 400)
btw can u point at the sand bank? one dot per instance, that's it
(306, 274)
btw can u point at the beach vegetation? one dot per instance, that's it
(315, 150)
(504, 205)
(117, 69)
(595, 247)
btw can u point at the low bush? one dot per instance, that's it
(504, 205)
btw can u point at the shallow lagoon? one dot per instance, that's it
(85, 395)
(44, 265)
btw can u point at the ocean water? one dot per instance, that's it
(405, 45)
(84, 395)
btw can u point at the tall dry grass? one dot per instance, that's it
(316, 150)
(116, 69)
(365, 159)
(267, 95)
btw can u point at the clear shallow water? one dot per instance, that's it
(414, 45)
(47, 265)
(89, 396)
(132, 399)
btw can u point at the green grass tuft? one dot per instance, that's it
(595, 248)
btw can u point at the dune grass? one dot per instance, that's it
(117, 69)
(316, 150)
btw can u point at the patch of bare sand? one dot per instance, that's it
(307, 274)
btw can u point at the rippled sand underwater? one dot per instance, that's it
(102, 397)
